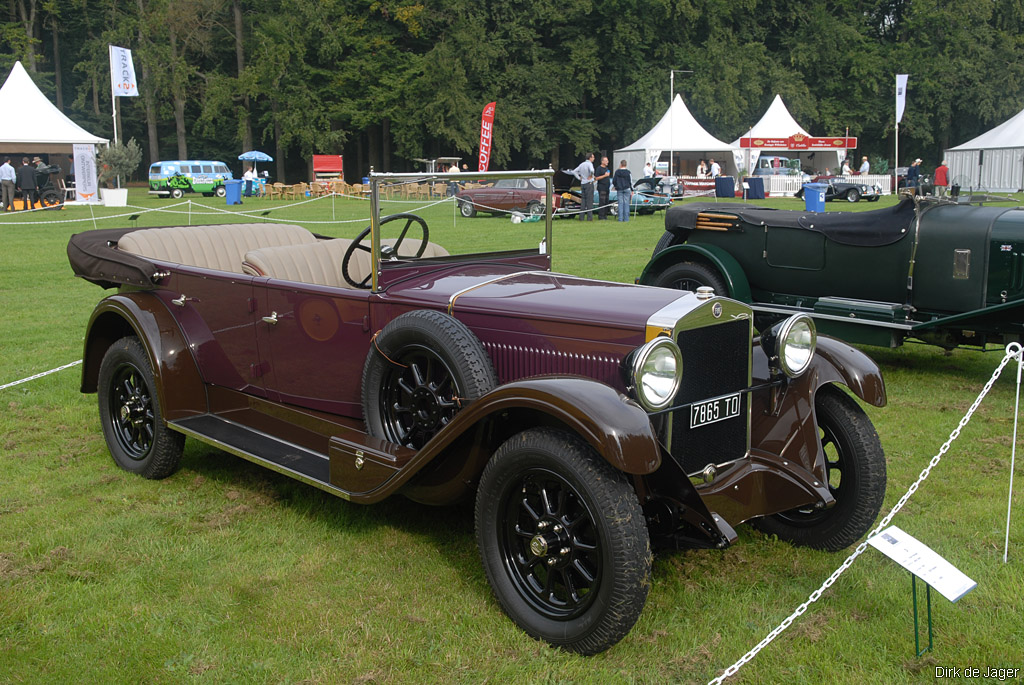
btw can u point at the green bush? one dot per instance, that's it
(118, 160)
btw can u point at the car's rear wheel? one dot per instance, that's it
(852, 195)
(467, 209)
(130, 413)
(856, 473)
(51, 199)
(535, 209)
(563, 541)
(690, 276)
(220, 191)
(177, 193)
(423, 368)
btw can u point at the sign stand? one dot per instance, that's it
(917, 631)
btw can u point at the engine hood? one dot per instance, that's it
(542, 295)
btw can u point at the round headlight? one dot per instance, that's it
(657, 371)
(796, 339)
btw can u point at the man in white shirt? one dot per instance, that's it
(7, 179)
(865, 166)
(453, 186)
(585, 173)
(716, 168)
(249, 177)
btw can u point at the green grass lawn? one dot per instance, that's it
(226, 572)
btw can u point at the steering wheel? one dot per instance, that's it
(388, 251)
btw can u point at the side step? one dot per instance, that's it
(291, 460)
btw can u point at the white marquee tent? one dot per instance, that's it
(677, 134)
(30, 123)
(777, 123)
(993, 161)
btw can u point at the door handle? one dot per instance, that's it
(272, 319)
(180, 301)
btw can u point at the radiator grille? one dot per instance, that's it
(715, 362)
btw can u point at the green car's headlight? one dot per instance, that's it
(792, 343)
(656, 373)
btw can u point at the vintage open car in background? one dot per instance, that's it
(940, 271)
(589, 419)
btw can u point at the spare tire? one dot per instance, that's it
(422, 369)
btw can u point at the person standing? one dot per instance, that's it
(249, 177)
(941, 179)
(846, 167)
(453, 186)
(716, 168)
(623, 182)
(8, 178)
(585, 173)
(865, 166)
(603, 176)
(914, 174)
(27, 183)
(702, 169)
(648, 170)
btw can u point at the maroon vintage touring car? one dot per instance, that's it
(589, 419)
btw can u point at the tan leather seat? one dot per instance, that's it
(213, 247)
(320, 263)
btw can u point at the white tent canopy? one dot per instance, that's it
(778, 123)
(30, 123)
(993, 161)
(677, 134)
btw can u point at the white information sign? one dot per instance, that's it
(923, 562)
(85, 173)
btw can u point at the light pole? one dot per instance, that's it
(671, 121)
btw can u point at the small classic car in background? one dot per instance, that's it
(647, 197)
(505, 195)
(843, 190)
(589, 420)
(938, 271)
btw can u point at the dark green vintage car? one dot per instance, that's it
(936, 270)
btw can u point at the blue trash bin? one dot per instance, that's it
(814, 196)
(233, 192)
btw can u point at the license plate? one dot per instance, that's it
(714, 410)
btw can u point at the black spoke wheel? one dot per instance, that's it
(690, 276)
(130, 413)
(563, 541)
(423, 368)
(856, 472)
(51, 199)
(358, 244)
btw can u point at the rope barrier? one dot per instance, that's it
(39, 375)
(1013, 351)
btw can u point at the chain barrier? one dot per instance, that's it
(1013, 350)
(39, 375)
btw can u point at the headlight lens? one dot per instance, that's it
(795, 338)
(657, 372)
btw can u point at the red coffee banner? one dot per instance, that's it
(486, 134)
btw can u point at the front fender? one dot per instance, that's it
(143, 315)
(722, 261)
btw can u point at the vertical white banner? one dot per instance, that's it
(85, 173)
(901, 96)
(122, 73)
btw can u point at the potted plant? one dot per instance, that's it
(115, 162)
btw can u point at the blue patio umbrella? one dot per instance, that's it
(255, 156)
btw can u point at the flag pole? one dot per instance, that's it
(113, 101)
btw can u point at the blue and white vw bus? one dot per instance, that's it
(175, 178)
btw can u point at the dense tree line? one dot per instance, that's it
(386, 81)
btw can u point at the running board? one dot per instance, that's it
(789, 310)
(285, 458)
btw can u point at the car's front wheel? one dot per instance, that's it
(855, 466)
(467, 209)
(690, 276)
(177, 193)
(130, 413)
(220, 191)
(563, 541)
(852, 195)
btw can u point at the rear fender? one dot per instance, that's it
(143, 315)
(712, 255)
